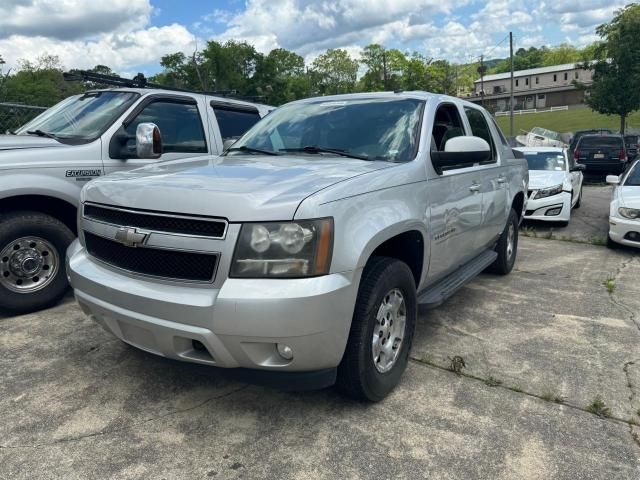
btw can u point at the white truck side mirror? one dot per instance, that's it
(613, 179)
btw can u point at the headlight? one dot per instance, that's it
(283, 249)
(548, 192)
(629, 212)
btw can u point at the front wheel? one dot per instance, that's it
(32, 249)
(381, 333)
(577, 205)
(507, 246)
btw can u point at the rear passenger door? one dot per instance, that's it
(493, 180)
(231, 120)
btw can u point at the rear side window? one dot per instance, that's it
(179, 124)
(595, 142)
(234, 123)
(480, 127)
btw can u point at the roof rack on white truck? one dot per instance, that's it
(45, 163)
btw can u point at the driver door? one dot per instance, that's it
(179, 119)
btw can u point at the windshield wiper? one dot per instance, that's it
(316, 149)
(244, 148)
(40, 133)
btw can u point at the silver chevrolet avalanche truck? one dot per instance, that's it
(301, 254)
(45, 164)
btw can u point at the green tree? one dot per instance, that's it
(616, 72)
(334, 72)
(280, 77)
(563, 53)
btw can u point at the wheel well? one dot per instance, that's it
(518, 203)
(60, 209)
(407, 247)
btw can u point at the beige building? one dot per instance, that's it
(542, 87)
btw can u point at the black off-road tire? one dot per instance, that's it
(505, 261)
(357, 373)
(23, 224)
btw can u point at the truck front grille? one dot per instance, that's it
(150, 261)
(156, 221)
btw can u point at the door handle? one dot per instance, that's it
(474, 187)
(502, 179)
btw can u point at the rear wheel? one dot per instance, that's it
(32, 249)
(507, 247)
(382, 330)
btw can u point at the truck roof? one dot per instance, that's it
(416, 94)
(157, 91)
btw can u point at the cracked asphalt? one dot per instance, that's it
(539, 346)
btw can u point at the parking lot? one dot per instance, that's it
(550, 388)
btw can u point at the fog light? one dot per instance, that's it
(285, 351)
(553, 211)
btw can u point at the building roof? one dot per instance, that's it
(530, 71)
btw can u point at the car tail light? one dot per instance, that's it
(622, 156)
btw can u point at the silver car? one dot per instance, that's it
(301, 254)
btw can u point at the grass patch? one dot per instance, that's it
(610, 284)
(457, 364)
(566, 121)
(493, 382)
(598, 407)
(598, 240)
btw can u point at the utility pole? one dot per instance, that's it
(481, 70)
(511, 89)
(384, 69)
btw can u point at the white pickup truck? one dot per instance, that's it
(45, 164)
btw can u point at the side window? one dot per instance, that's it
(446, 125)
(234, 123)
(480, 127)
(179, 123)
(505, 142)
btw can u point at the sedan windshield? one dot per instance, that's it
(545, 161)
(81, 118)
(369, 129)
(633, 179)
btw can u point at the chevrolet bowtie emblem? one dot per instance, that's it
(130, 237)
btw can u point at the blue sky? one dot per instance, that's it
(132, 35)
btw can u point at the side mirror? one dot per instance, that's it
(228, 142)
(578, 167)
(148, 141)
(613, 179)
(460, 152)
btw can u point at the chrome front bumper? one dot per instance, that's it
(235, 325)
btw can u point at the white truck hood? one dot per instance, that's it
(545, 178)
(13, 142)
(239, 188)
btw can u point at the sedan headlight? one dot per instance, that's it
(548, 192)
(283, 249)
(629, 212)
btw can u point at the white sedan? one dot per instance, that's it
(624, 212)
(555, 184)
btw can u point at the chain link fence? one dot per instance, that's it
(14, 115)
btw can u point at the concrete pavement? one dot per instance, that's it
(76, 403)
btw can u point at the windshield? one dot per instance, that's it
(543, 132)
(81, 118)
(371, 129)
(633, 179)
(545, 161)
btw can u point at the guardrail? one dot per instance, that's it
(532, 110)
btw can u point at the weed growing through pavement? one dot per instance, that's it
(598, 407)
(610, 284)
(493, 382)
(457, 364)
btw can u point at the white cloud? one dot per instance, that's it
(120, 51)
(84, 33)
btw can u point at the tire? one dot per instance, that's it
(32, 246)
(562, 224)
(359, 375)
(579, 202)
(611, 244)
(506, 253)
